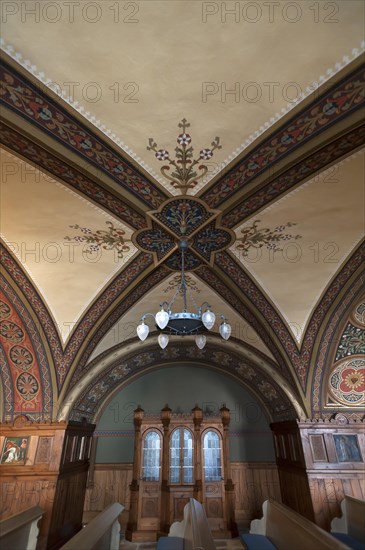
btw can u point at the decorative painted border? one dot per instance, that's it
(88, 404)
(131, 433)
(341, 100)
(17, 274)
(155, 278)
(44, 159)
(292, 177)
(327, 343)
(45, 370)
(234, 271)
(299, 359)
(330, 73)
(20, 95)
(8, 395)
(327, 301)
(64, 359)
(40, 370)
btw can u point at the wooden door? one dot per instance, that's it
(181, 471)
(213, 483)
(149, 505)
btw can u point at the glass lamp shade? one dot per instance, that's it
(163, 340)
(200, 340)
(162, 318)
(142, 331)
(225, 330)
(208, 319)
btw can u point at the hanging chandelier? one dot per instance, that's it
(183, 323)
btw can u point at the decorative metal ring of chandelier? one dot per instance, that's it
(183, 323)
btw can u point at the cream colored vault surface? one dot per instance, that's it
(135, 69)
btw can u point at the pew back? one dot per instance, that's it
(193, 531)
(287, 529)
(102, 533)
(352, 521)
(21, 530)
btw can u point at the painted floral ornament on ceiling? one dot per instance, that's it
(258, 237)
(112, 239)
(184, 175)
(347, 382)
(182, 218)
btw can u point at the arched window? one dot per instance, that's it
(151, 457)
(181, 456)
(212, 457)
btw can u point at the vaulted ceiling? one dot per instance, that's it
(90, 225)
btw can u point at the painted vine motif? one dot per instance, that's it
(256, 237)
(352, 342)
(184, 175)
(113, 239)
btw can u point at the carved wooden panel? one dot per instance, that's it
(214, 508)
(318, 448)
(44, 450)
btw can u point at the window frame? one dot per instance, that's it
(144, 448)
(219, 477)
(181, 467)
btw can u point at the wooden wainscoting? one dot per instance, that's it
(109, 484)
(328, 489)
(254, 483)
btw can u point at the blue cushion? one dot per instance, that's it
(170, 543)
(350, 541)
(257, 542)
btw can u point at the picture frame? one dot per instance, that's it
(14, 451)
(347, 448)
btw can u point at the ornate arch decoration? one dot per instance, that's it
(120, 365)
(26, 376)
(18, 277)
(344, 380)
(23, 94)
(341, 342)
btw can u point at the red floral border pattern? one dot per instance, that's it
(22, 359)
(343, 99)
(64, 359)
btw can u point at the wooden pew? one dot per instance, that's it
(192, 533)
(102, 533)
(21, 530)
(284, 529)
(350, 527)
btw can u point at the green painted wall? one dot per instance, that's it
(182, 387)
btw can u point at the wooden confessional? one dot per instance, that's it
(178, 456)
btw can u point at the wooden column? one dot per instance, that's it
(198, 485)
(134, 486)
(165, 487)
(228, 483)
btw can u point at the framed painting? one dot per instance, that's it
(347, 448)
(14, 450)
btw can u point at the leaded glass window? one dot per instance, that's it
(212, 457)
(151, 457)
(181, 456)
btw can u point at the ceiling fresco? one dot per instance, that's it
(128, 127)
